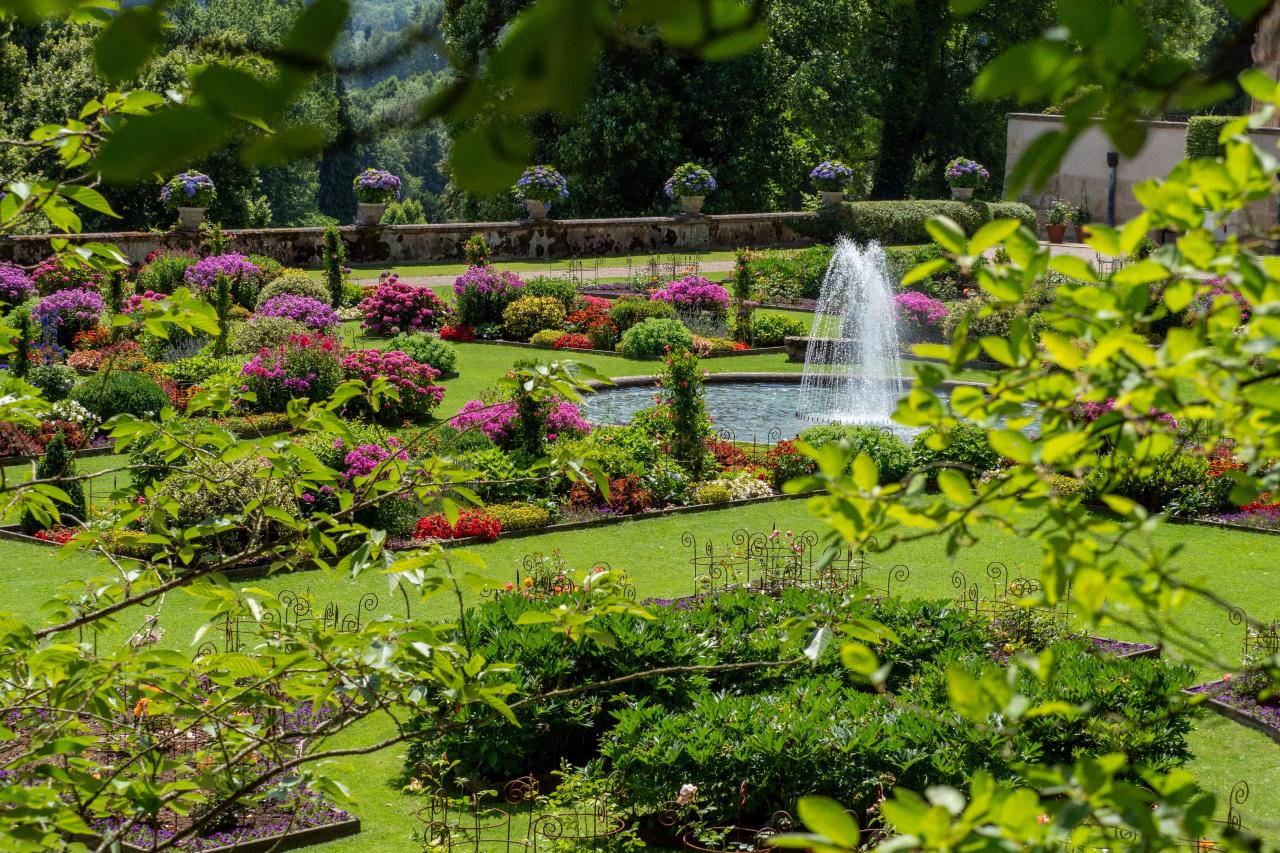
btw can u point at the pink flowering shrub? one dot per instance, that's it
(497, 420)
(15, 285)
(418, 396)
(304, 367)
(365, 458)
(396, 307)
(694, 293)
(1204, 305)
(1091, 411)
(920, 314)
(53, 275)
(138, 302)
(482, 293)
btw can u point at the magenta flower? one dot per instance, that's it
(920, 309)
(311, 313)
(15, 285)
(234, 266)
(397, 306)
(694, 293)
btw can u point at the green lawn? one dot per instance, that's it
(546, 266)
(1238, 565)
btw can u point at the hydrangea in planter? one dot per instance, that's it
(397, 307)
(964, 176)
(189, 194)
(921, 315)
(690, 183)
(375, 189)
(311, 313)
(831, 177)
(538, 187)
(15, 285)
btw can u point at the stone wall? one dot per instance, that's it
(1084, 170)
(399, 244)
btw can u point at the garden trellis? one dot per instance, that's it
(294, 611)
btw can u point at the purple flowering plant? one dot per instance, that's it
(967, 174)
(189, 189)
(483, 292)
(235, 266)
(305, 367)
(541, 183)
(1218, 287)
(69, 310)
(377, 186)
(694, 293)
(15, 285)
(688, 180)
(831, 175)
(397, 306)
(311, 313)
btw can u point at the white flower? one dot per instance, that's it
(687, 794)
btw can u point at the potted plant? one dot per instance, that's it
(1080, 218)
(538, 187)
(831, 177)
(690, 183)
(188, 193)
(375, 189)
(964, 176)
(1060, 214)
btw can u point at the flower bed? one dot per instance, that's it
(1234, 704)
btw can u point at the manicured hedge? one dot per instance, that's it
(902, 222)
(1202, 136)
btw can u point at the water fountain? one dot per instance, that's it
(852, 373)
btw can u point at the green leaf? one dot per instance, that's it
(827, 817)
(947, 234)
(127, 44)
(489, 158)
(1074, 266)
(994, 232)
(955, 486)
(922, 271)
(865, 473)
(161, 142)
(88, 197)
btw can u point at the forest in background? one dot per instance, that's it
(883, 86)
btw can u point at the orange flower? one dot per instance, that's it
(140, 709)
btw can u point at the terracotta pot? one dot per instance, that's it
(1081, 233)
(369, 214)
(189, 218)
(831, 198)
(691, 204)
(961, 193)
(1057, 233)
(537, 209)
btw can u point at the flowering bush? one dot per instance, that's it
(53, 275)
(311, 313)
(689, 179)
(365, 458)
(920, 313)
(476, 251)
(418, 397)
(305, 367)
(482, 293)
(541, 183)
(471, 522)
(189, 189)
(1091, 411)
(965, 173)
(1204, 305)
(125, 355)
(165, 271)
(397, 306)
(531, 314)
(93, 338)
(593, 320)
(460, 332)
(69, 312)
(572, 341)
(627, 496)
(15, 285)
(695, 293)
(710, 346)
(298, 283)
(831, 175)
(240, 270)
(377, 186)
(138, 303)
(497, 420)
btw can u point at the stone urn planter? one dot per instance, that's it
(369, 214)
(830, 198)
(537, 209)
(692, 204)
(962, 193)
(1056, 233)
(189, 218)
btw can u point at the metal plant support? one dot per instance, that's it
(1005, 593)
(295, 611)
(541, 576)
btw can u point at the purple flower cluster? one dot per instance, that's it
(541, 183)
(1091, 411)
(398, 306)
(311, 313)
(487, 280)
(496, 420)
(695, 293)
(15, 285)
(69, 307)
(189, 189)
(1261, 518)
(234, 266)
(1204, 304)
(963, 172)
(136, 302)
(377, 186)
(831, 175)
(689, 180)
(920, 308)
(366, 458)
